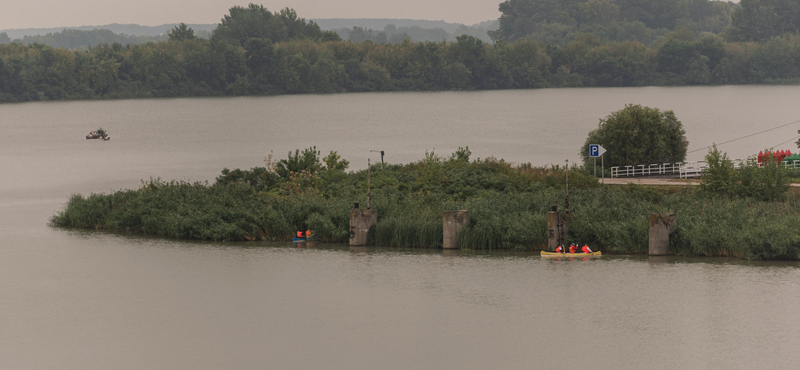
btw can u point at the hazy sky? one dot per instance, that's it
(73, 13)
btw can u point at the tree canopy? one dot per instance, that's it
(253, 63)
(767, 182)
(758, 20)
(558, 21)
(638, 135)
(181, 32)
(255, 21)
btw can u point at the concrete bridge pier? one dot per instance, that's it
(452, 222)
(556, 230)
(660, 228)
(360, 222)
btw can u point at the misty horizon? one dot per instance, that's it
(26, 15)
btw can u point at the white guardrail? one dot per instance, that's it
(684, 170)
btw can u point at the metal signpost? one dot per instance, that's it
(595, 150)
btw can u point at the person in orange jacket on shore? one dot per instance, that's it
(560, 249)
(586, 249)
(573, 248)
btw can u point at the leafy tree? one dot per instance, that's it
(683, 63)
(4, 38)
(259, 178)
(707, 16)
(307, 161)
(486, 70)
(255, 21)
(798, 141)
(757, 20)
(769, 181)
(181, 32)
(602, 12)
(264, 62)
(461, 155)
(638, 135)
(766, 182)
(720, 176)
(334, 162)
(521, 18)
(653, 13)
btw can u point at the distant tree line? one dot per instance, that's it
(75, 39)
(255, 51)
(391, 34)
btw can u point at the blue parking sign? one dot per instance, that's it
(595, 150)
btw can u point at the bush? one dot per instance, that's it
(638, 135)
(768, 182)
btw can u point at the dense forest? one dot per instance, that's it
(600, 43)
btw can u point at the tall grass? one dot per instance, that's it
(612, 219)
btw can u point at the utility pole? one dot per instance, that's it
(369, 190)
(376, 151)
(567, 205)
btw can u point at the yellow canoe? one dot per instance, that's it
(554, 254)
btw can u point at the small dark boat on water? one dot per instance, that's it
(99, 134)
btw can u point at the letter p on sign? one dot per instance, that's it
(595, 150)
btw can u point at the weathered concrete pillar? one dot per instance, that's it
(452, 224)
(360, 222)
(660, 228)
(556, 230)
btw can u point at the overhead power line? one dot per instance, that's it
(794, 138)
(744, 137)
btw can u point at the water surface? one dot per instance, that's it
(96, 300)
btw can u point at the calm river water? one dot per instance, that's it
(95, 300)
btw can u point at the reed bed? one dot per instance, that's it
(508, 210)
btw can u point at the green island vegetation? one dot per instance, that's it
(747, 213)
(539, 43)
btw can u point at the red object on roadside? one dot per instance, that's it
(760, 157)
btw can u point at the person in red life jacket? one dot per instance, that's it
(573, 248)
(560, 249)
(586, 249)
(299, 234)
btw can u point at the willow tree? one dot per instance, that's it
(638, 135)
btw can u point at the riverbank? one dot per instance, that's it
(508, 205)
(190, 68)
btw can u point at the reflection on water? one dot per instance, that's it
(451, 252)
